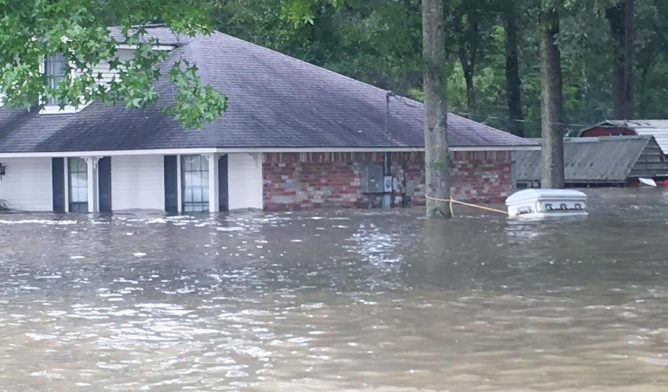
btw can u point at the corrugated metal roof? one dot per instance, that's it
(656, 128)
(589, 160)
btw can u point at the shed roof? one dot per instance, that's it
(590, 160)
(656, 128)
(275, 101)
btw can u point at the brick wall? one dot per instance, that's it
(312, 180)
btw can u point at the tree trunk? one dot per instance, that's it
(437, 160)
(513, 81)
(629, 59)
(470, 95)
(467, 51)
(621, 20)
(552, 172)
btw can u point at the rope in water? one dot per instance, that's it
(453, 201)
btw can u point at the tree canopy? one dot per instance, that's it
(32, 30)
(492, 49)
(379, 42)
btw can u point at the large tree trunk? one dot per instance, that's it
(437, 160)
(622, 19)
(513, 81)
(552, 172)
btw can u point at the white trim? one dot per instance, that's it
(55, 109)
(510, 148)
(197, 151)
(155, 47)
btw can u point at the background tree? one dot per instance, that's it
(513, 81)
(621, 17)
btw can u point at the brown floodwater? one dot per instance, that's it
(337, 301)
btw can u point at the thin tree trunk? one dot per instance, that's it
(552, 172)
(513, 81)
(621, 20)
(629, 59)
(437, 160)
(470, 95)
(467, 51)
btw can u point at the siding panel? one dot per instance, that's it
(27, 186)
(137, 182)
(245, 181)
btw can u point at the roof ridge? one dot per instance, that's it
(264, 48)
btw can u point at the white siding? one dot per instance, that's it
(245, 181)
(137, 182)
(104, 71)
(27, 186)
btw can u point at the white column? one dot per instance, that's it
(66, 173)
(214, 205)
(91, 165)
(179, 185)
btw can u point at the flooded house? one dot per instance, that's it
(294, 136)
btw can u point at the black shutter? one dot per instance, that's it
(171, 184)
(58, 178)
(104, 183)
(223, 198)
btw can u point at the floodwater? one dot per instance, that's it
(337, 301)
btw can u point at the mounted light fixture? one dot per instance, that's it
(3, 170)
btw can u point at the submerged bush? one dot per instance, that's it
(3, 205)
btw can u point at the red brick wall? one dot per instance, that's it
(311, 180)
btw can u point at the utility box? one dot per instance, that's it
(372, 179)
(387, 187)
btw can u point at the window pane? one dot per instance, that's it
(195, 183)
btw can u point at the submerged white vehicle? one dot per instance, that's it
(543, 203)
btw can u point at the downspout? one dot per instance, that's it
(387, 164)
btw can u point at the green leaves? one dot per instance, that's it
(194, 103)
(31, 30)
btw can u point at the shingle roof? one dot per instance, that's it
(276, 101)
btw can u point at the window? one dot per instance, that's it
(55, 69)
(195, 170)
(78, 179)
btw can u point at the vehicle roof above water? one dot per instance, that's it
(545, 194)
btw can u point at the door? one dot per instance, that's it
(78, 184)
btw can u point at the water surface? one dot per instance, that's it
(337, 300)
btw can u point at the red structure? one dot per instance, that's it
(598, 131)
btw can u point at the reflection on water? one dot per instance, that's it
(347, 300)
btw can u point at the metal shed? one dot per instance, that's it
(599, 161)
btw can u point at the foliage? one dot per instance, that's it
(34, 29)
(379, 42)
(376, 41)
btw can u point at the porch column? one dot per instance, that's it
(214, 202)
(91, 165)
(179, 185)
